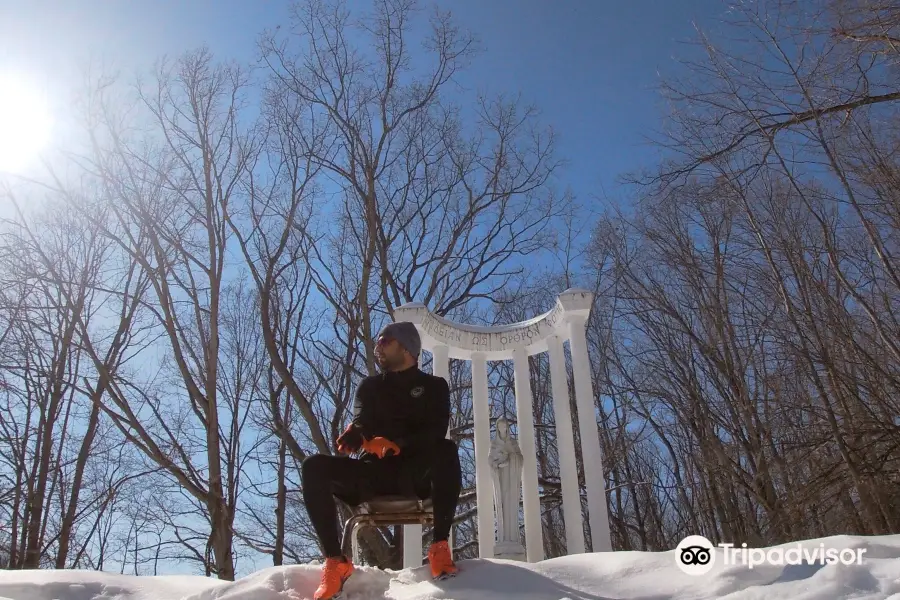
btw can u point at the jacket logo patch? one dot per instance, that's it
(417, 391)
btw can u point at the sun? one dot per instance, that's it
(24, 123)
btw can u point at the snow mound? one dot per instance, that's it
(598, 576)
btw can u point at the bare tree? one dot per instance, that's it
(59, 263)
(167, 197)
(755, 289)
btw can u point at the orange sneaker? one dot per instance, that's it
(441, 561)
(335, 572)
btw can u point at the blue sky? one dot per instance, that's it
(590, 65)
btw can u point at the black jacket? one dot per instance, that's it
(411, 408)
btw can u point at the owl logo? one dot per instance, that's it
(417, 391)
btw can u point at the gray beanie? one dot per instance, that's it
(406, 335)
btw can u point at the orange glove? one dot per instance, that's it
(350, 441)
(381, 447)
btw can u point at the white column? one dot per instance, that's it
(452, 539)
(565, 444)
(412, 534)
(591, 455)
(531, 503)
(483, 485)
(412, 546)
(440, 367)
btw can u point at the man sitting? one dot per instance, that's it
(402, 416)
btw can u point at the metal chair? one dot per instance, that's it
(384, 511)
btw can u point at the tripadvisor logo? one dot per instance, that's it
(695, 555)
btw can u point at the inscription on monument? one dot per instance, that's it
(492, 341)
(440, 331)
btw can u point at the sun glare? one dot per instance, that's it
(24, 124)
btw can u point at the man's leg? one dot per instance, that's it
(323, 476)
(446, 484)
(356, 481)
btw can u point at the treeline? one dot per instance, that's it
(752, 302)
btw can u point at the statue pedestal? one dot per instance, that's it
(509, 551)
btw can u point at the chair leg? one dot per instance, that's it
(347, 539)
(354, 542)
(350, 540)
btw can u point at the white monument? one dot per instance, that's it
(506, 466)
(566, 321)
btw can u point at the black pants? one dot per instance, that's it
(436, 475)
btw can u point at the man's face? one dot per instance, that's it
(389, 353)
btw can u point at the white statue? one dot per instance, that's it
(506, 465)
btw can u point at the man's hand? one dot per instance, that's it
(351, 440)
(381, 447)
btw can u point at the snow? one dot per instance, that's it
(598, 576)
